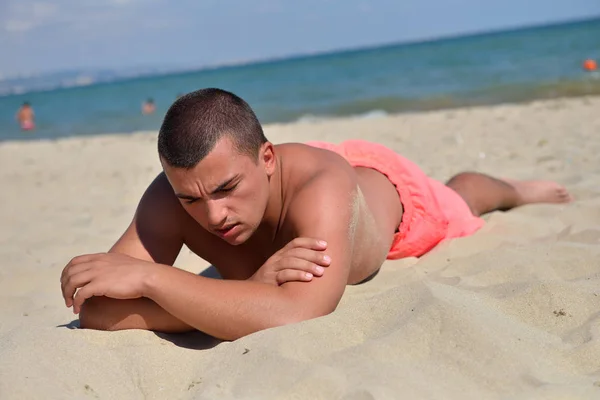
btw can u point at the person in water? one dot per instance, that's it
(287, 226)
(148, 107)
(26, 117)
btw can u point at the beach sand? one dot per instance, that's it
(510, 312)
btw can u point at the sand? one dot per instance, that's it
(512, 312)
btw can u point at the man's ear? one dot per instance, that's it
(266, 156)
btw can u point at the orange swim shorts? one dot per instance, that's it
(432, 211)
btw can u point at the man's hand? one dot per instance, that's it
(105, 274)
(299, 260)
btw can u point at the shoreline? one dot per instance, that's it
(368, 116)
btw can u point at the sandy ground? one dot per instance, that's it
(510, 312)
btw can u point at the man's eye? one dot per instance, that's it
(229, 189)
(189, 201)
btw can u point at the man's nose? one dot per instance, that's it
(217, 213)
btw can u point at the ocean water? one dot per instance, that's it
(511, 66)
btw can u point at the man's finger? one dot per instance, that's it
(85, 258)
(74, 282)
(307, 243)
(73, 270)
(293, 275)
(314, 256)
(85, 293)
(299, 264)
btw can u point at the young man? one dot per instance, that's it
(250, 208)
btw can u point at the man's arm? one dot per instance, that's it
(144, 240)
(154, 235)
(232, 309)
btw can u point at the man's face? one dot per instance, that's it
(227, 192)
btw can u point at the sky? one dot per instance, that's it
(52, 35)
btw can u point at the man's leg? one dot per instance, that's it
(485, 194)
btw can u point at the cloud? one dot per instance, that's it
(22, 16)
(26, 15)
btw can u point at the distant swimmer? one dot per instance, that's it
(590, 65)
(148, 107)
(26, 117)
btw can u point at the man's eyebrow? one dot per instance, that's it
(224, 184)
(217, 189)
(187, 196)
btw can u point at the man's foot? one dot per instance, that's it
(540, 192)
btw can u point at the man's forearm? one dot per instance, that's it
(224, 309)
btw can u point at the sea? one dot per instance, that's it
(517, 65)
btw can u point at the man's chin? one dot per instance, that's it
(237, 239)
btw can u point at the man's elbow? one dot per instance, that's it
(301, 305)
(93, 315)
(304, 314)
(291, 315)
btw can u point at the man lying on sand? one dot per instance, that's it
(269, 218)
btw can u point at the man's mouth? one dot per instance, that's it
(226, 231)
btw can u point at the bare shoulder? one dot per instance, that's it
(305, 164)
(317, 177)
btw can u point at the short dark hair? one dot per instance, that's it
(198, 120)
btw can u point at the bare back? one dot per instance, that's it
(25, 114)
(378, 210)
